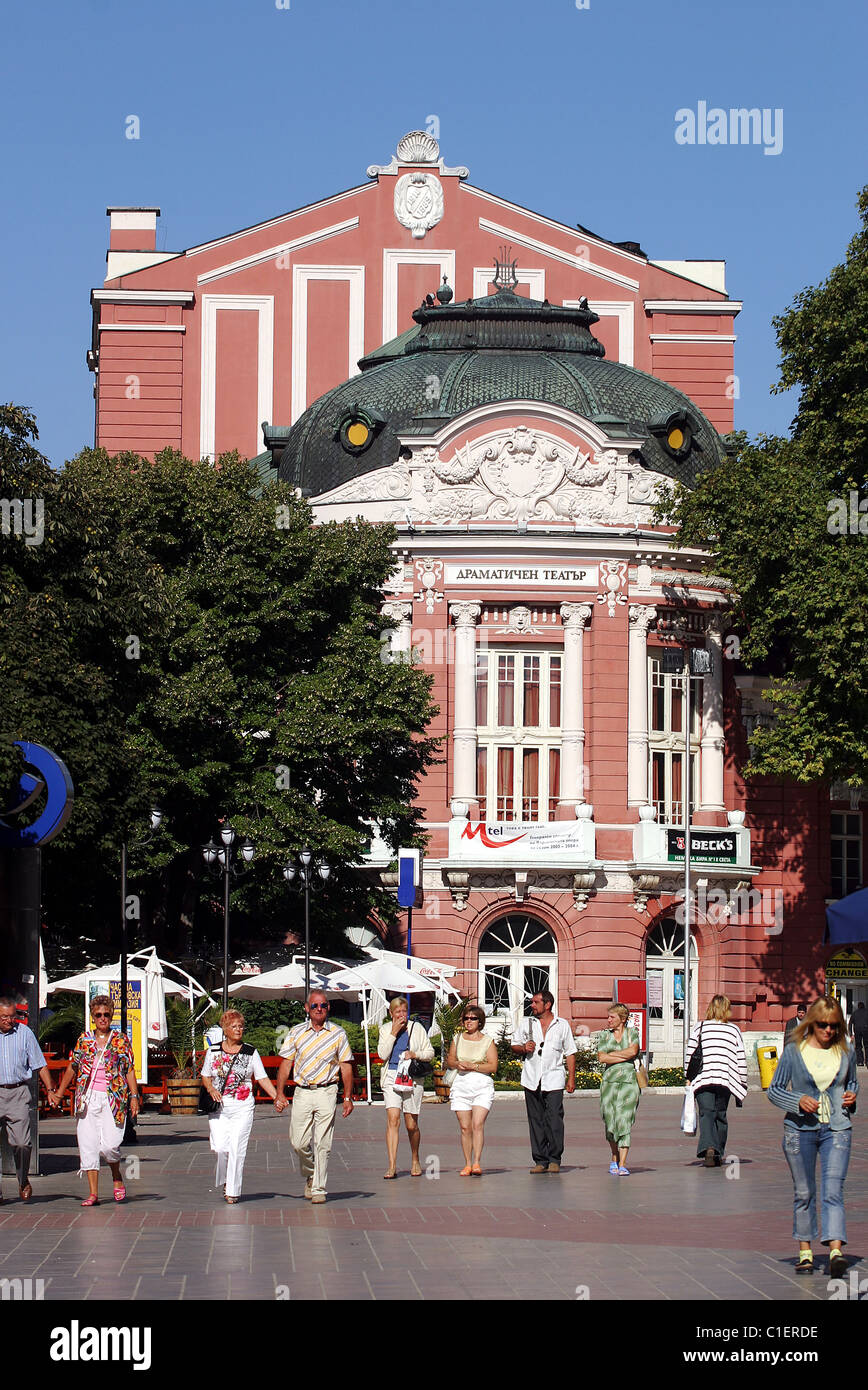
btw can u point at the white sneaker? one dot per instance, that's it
(308, 1192)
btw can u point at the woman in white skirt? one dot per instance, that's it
(397, 1036)
(229, 1071)
(105, 1089)
(474, 1057)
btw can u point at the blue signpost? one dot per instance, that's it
(409, 879)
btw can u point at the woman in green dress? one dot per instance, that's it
(619, 1088)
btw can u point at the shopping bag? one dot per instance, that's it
(688, 1112)
(403, 1080)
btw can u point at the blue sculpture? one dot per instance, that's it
(53, 777)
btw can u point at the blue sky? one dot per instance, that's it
(248, 110)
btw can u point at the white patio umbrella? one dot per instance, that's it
(371, 978)
(77, 984)
(155, 988)
(286, 982)
(43, 978)
(377, 976)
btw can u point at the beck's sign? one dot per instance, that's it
(706, 846)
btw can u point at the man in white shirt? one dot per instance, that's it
(544, 1042)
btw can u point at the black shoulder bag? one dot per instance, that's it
(694, 1066)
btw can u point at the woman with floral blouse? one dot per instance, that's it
(231, 1067)
(105, 1088)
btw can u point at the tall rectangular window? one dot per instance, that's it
(667, 742)
(505, 783)
(518, 726)
(481, 689)
(530, 701)
(505, 691)
(482, 782)
(530, 784)
(846, 853)
(555, 692)
(554, 780)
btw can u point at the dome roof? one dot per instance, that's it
(478, 352)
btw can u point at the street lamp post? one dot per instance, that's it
(691, 661)
(214, 855)
(304, 871)
(156, 822)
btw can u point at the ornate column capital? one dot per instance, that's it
(465, 614)
(399, 612)
(576, 616)
(641, 616)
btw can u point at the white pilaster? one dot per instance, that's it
(575, 617)
(465, 616)
(712, 741)
(641, 618)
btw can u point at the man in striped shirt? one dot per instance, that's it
(20, 1056)
(316, 1051)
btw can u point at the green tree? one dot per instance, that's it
(777, 521)
(187, 636)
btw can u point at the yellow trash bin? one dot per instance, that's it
(768, 1061)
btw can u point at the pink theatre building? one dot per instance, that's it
(512, 394)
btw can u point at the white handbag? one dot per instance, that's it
(688, 1112)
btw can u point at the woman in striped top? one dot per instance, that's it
(723, 1074)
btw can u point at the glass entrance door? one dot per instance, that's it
(664, 971)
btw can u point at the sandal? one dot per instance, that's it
(465, 1172)
(90, 1202)
(390, 1175)
(613, 1168)
(623, 1172)
(230, 1200)
(120, 1192)
(415, 1172)
(476, 1170)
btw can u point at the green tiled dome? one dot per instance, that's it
(479, 352)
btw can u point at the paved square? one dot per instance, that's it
(673, 1230)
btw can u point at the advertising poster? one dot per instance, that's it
(135, 1016)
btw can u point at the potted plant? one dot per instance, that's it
(448, 1018)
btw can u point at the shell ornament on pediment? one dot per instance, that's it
(418, 147)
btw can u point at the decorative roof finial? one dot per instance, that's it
(505, 274)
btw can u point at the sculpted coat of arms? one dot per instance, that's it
(419, 202)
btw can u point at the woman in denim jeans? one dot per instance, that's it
(815, 1083)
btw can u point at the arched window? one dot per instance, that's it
(517, 957)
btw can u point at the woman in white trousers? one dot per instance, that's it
(230, 1069)
(105, 1089)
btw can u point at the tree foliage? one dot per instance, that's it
(185, 636)
(781, 520)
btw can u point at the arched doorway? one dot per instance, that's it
(664, 971)
(517, 957)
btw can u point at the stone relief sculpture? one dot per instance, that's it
(517, 475)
